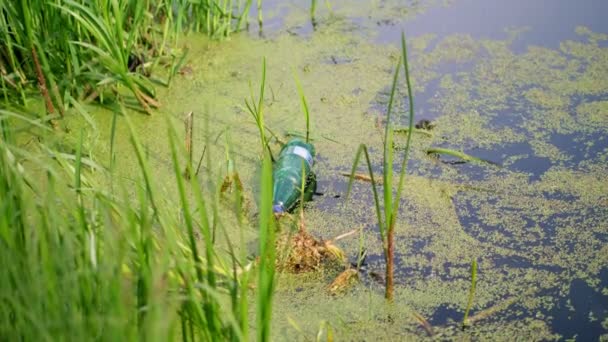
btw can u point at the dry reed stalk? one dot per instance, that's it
(42, 83)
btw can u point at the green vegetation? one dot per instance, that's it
(387, 220)
(465, 321)
(266, 275)
(81, 262)
(103, 50)
(304, 104)
(257, 111)
(118, 248)
(436, 151)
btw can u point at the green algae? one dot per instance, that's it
(531, 237)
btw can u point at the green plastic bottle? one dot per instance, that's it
(295, 160)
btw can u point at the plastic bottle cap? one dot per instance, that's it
(278, 209)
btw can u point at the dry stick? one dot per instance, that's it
(484, 314)
(363, 177)
(345, 235)
(142, 102)
(379, 181)
(492, 310)
(149, 100)
(189, 124)
(423, 323)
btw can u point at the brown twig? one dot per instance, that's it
(345, 235)
(149, 100)
(492, 310)
(423, 323)
(363, 177)
(140, 98)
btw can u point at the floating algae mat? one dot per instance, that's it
(537, 225)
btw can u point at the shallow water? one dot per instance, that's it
(523, 84)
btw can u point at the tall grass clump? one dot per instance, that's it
(257, 111)
(80, 262)
(387, 217)
(99, 50)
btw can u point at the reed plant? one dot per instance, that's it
(465, 319)
(102, 50)
(387, 217)
(243, 19)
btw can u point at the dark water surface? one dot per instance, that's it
(519, 83)
(547, 22)
(523, 84)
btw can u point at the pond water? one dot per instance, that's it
(523, 84)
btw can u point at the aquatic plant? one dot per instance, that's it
(313, 11)
(243, 17)
(388, 218)
(465, 321)
(260, 19)
(257, 111)
(304, 104)
(313, 8)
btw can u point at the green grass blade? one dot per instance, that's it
(305, 110)
(387, 169)
(406, 154)
(471, 293)
(363, 150)
(266, 281)
(262, 87)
